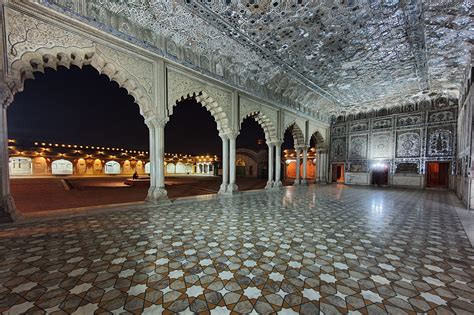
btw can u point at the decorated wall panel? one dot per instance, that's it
(408, 143)
(440, 141)
(338, 149)
(405, 139)
(358, 147)
(380, 145)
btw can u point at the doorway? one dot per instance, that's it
(338, 173)
(437, 174)
(380, 174)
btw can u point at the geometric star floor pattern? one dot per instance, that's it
(318, 249)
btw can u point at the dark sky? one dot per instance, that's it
(79, 106)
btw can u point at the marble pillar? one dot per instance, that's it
(271, 163)
(157, 192)
(298, 163)
(225, 164)
(232, 187)
(277, 183)
(8, 211)
(305, 166)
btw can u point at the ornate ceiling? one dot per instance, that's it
(321, 57)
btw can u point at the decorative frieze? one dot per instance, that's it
(359, 126)
(382, 124)
(442, 116)
(411, 120)
(339, 129)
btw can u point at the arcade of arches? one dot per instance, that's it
(364, 107)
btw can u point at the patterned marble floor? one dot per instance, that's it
(321, 249)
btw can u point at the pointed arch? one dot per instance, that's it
(298, 135)
(318, 140)
(36, 61)
(266, 123)
(212, 107)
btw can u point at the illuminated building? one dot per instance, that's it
(29, 158)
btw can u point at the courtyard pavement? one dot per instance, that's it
(33, 195)
(329, 249)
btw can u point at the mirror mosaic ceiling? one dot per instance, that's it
(327, 57)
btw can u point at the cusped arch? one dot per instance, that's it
(36, 61)
(298, 135)
(266, 123)
(208, 102)
(318, 140)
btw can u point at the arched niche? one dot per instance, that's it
(20, 166)
(112, 168)
(62, 167)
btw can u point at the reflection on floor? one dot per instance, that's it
(330, 248)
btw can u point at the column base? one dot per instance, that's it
(222, 189)
(269, 185)
(157, 195)
(8, 210)
(228, 189)
(277, 184)
(303, 182)
(297, 182)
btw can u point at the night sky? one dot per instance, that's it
(79, 106)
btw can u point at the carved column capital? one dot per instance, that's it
(276, 142)
(156, 122)
(231, 135)
(301, 147)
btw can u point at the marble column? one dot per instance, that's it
(317, 166)
(232, 187)
(323, 166)
(157, 192)
(7, 206)
(225, 164)
(271, 163)
(151, 134)
(305, 165)
(298, 163)
(277, 183)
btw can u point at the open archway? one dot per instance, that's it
(317, 158)
(293, 144)
(76, 115)
(193, 149)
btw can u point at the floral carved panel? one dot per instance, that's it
(380, 145)
(408, 143)
(338, 149)
(440, 141)
(26, 33)
(358, 147)
(140, 69)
